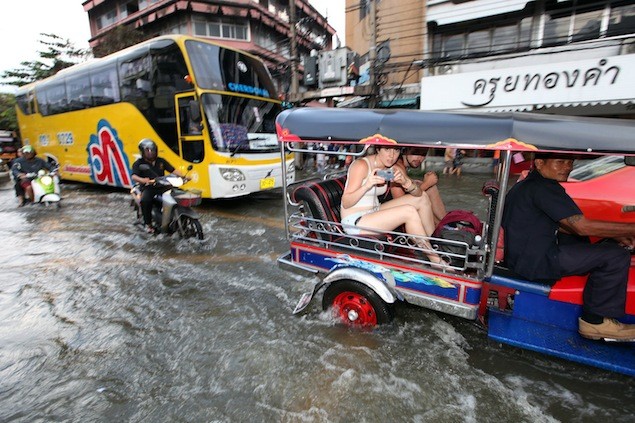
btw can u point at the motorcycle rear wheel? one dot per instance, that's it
(189, 228)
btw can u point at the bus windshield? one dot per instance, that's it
(241, 124)
(220, 69)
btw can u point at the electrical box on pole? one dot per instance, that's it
(333, 68)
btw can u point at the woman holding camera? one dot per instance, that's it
(361, 212)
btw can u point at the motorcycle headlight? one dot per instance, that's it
(46, 180)
(232, 174)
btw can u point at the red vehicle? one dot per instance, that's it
(603, 189)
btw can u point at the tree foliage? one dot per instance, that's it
(56, 54)
(117, 39)
(8, 119)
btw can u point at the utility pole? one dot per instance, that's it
(372, 53)
(294, 53)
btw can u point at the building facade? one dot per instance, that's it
(260, 27)
(572, 57)
(395, 30)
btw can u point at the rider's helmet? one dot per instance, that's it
(28, 149)
(148, 149)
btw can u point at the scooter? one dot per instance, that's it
(46, 187)
(172, 210)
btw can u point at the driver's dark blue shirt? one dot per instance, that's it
(159, 168)
(533, 209)
(23, 165)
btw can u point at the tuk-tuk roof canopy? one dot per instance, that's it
(493, 131)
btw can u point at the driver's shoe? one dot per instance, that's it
(608, 329)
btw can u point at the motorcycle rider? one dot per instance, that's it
(27, 163)
(157, 167)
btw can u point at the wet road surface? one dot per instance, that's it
(100, 322)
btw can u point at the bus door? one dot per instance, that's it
(190, 128)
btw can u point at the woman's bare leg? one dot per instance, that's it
(387, 219)
(421, 204)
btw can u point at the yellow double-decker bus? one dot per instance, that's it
(204, 105)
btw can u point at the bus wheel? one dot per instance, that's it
(189, 228)
(355, 304)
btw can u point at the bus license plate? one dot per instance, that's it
(267, 183)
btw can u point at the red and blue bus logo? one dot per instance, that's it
(107, 161)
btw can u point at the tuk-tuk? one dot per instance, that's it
(363, 277)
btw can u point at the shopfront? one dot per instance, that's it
(591, 87)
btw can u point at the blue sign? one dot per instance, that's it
(248, 89)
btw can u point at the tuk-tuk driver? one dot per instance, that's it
(546, 238)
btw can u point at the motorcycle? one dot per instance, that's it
(46, 187)
(172, 210)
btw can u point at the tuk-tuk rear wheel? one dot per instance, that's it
(355, 304)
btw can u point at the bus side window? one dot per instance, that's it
(164, 94)
(134, 73)
(56, 96)
(78, 92)
(52, 99)
(24, 102)
(193, 151)
(104, 85)
(190, 124)
(42, 103)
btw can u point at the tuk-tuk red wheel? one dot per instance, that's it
(354, 309)
(355, 304)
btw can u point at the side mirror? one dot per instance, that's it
(629, 160)
(195, 111)
(190, 167)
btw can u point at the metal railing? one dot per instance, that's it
(388, 245)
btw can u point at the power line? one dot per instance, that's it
(505, 56)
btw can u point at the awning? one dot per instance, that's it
(445, 13)
(354, 102)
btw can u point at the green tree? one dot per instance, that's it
(8, 119)
(57, 54)
(118, 38)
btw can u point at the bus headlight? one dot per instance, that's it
(232, 174)
(291, 167)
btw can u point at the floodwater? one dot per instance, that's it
(99, 322)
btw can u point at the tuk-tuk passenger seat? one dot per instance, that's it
(323, 201)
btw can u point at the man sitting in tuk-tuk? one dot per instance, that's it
(546, 238)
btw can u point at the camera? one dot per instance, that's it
(387, 174)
